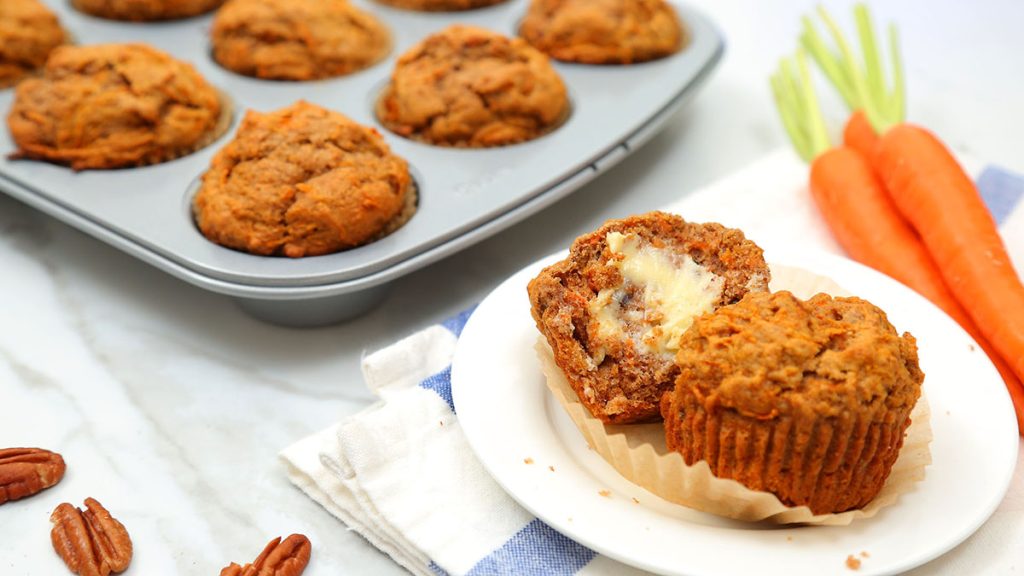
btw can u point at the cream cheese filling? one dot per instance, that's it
(675, 290)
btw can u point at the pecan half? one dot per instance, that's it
(287, 558)
(91, 543)
(27, 471)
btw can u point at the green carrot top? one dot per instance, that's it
(862, 86)
(798, 106)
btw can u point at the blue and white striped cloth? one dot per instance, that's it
(402, 474)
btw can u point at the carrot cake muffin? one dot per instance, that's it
(466, 86)
(808, 400)
(303, 181)
(603, 31)
(145, 10)
(440, 5)
(614, 310)
(28, 32)
(296, 39)
(112, 106)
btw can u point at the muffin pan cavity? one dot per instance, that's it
(464, 195)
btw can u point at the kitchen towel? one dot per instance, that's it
(402, 474)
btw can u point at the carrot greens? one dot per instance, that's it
(861, 84)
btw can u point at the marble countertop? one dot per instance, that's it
(170, 404)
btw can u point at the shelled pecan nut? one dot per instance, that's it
(91, 542)
(287, 558)
(27, 471)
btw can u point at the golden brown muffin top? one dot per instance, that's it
(296, 39)
(113, 105)
(145, 10)
(440, 5)
(773, 354)
(603, 31)
(301, 181)
(28, 32)
(466, 86)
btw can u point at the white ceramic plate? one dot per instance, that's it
(526, 441)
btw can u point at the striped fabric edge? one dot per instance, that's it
(537, 549)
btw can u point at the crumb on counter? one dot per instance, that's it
(552, 468)
(605, 493)
(635, 501)
(864, 554)
(527, 460)
(852, 563)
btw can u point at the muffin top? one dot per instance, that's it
(302, 181)
(28, 32)
(603, 31)
(774, 354)
(296, 39)
(614, 310)
(466, 86)
(145, 10)
(440, 5)
(111, 106)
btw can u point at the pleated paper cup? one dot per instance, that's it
(639, 453)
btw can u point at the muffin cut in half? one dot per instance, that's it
(808, 400)
(603, 31)
(303, 181)
(145, 10)
(614, 310)
(114, 106)
(470, 87)
(296, 39)
(29, 31)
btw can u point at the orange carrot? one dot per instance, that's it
(860, 135)
(959, 288)
(935, 195)
(866, 223)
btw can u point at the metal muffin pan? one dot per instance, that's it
(465, 195)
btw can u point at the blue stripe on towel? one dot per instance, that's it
(536, 550)
(458, 322)
(1001, 190)
(442, 384)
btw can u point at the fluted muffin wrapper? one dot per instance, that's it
(640, 454)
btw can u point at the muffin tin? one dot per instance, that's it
(465, 195)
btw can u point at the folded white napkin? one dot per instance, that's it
(401, 472)
(387, 471)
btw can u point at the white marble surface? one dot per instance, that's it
(170, 405)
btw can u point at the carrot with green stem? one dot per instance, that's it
(873, 100)
(850, 196)
(934, 197)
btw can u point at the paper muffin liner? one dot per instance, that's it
(404, 215)
(639, 452)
